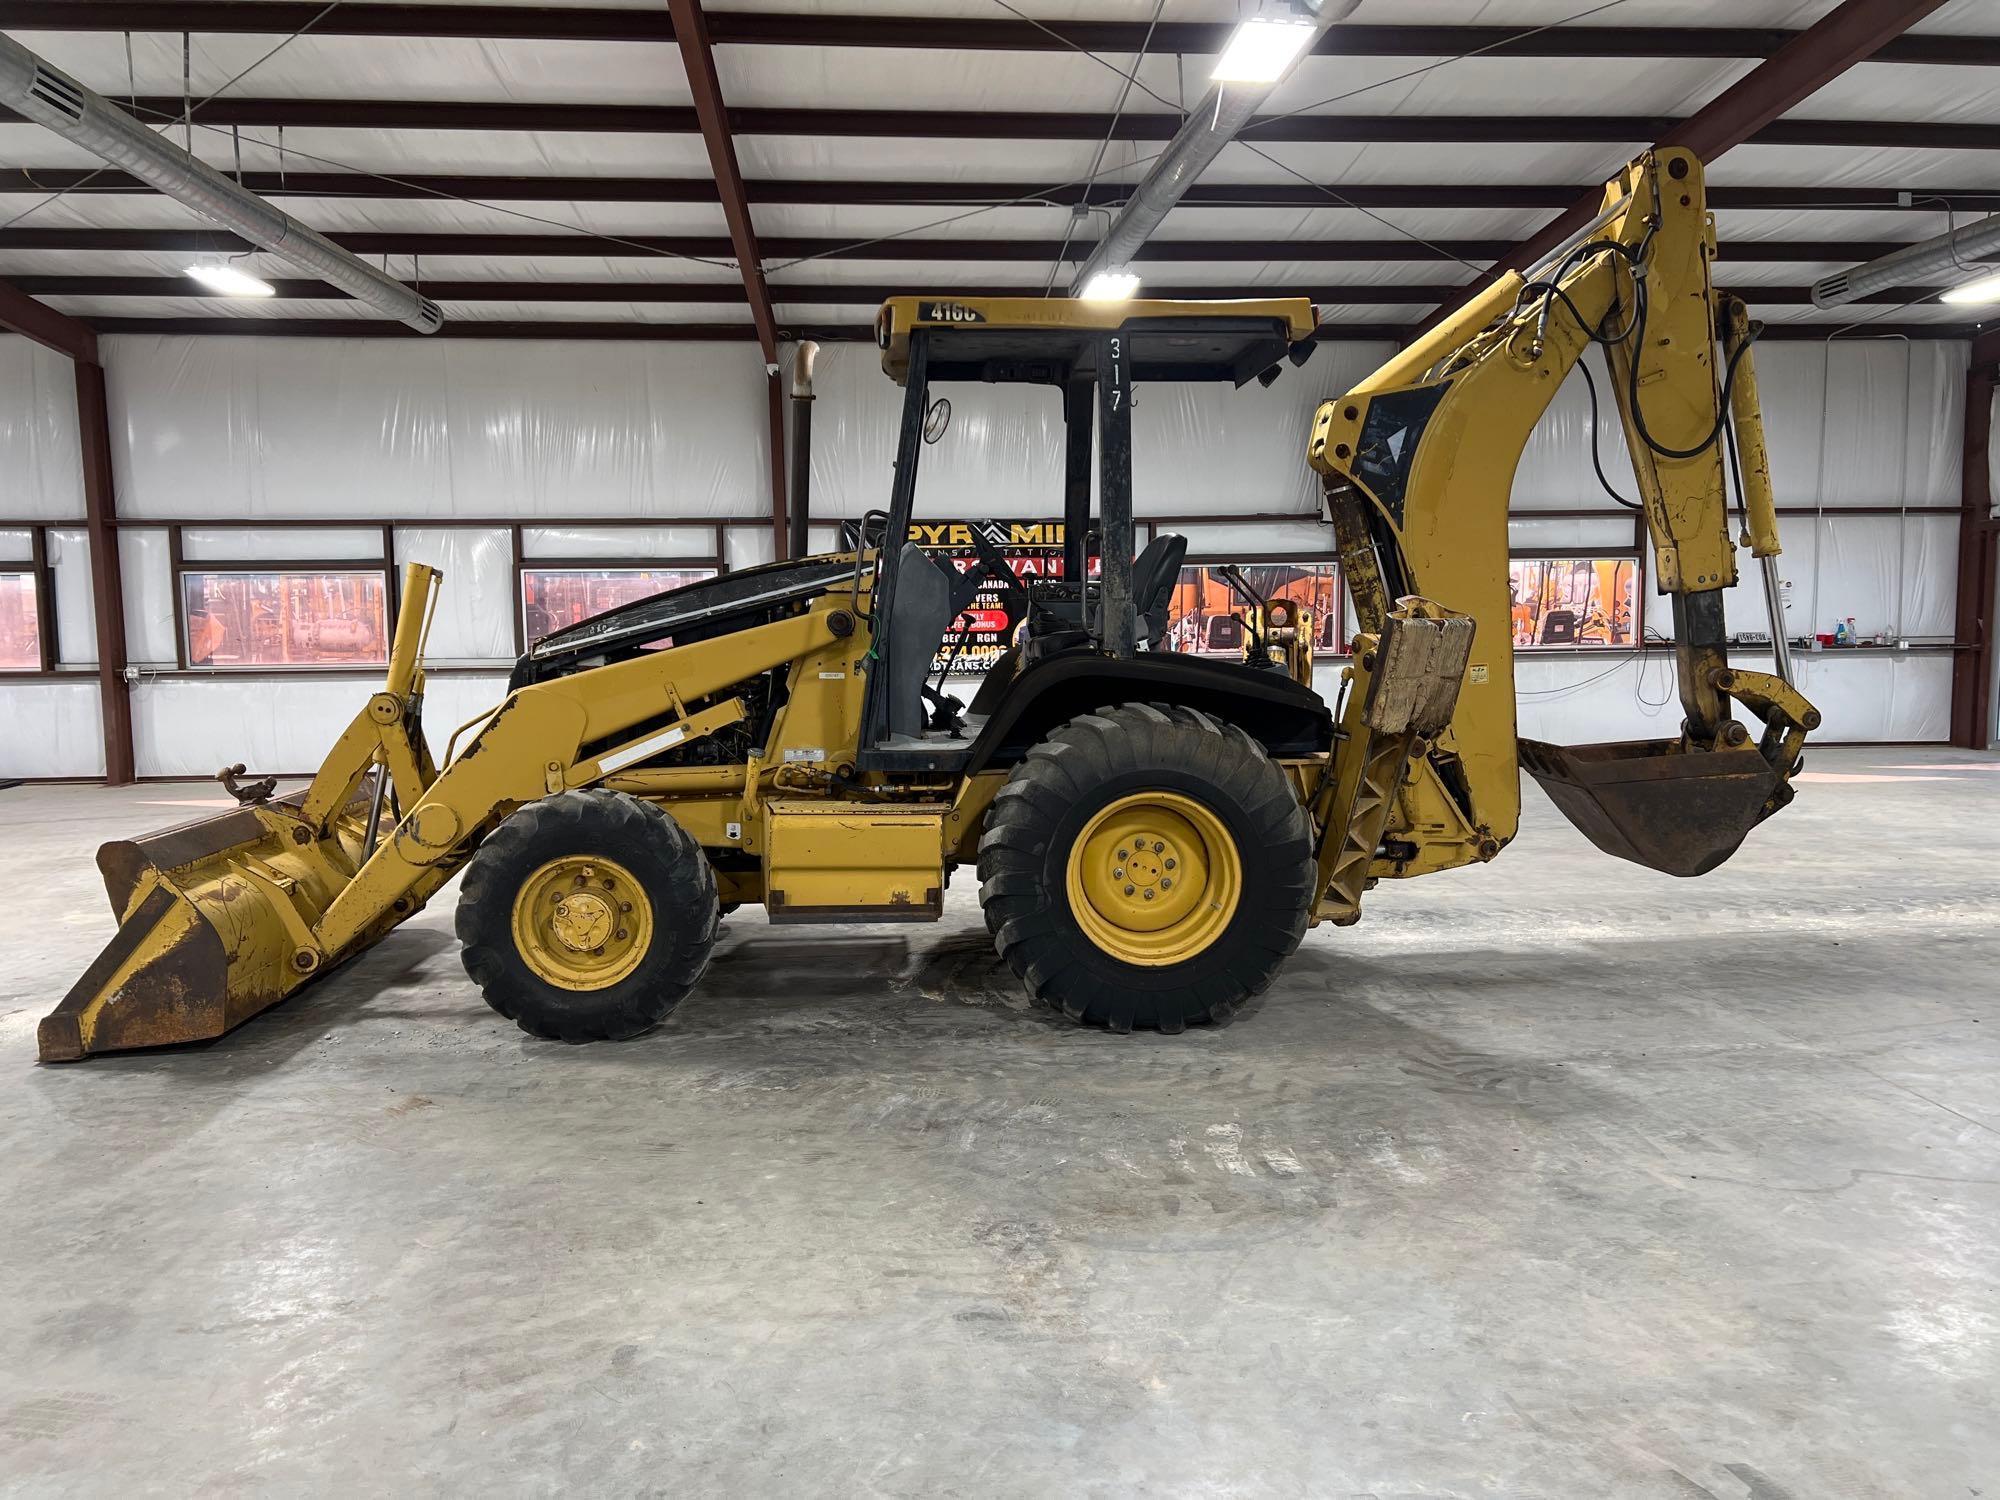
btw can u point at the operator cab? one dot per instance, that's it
(1093, 352)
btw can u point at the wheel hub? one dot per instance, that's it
(1154, 878)
(582, 922)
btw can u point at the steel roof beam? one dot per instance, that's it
(21, 313)
(1260, 251)
(500, 188)
(1748, 110)
(817, 294)
(1054, 125)
(254, 327)
(729, 28)
(691, 30)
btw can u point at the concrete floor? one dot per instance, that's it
(1557, 1178)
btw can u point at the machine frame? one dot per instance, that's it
(1153, 833)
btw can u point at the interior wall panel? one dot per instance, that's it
(188, 726)
(403, 431)
(41, 462)
(395, 429)
(67, 737)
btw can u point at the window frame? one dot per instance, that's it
(179, 566)
(1342, 647)
(42, 574)
(1591, 555)
(714, 567)
(717, 561)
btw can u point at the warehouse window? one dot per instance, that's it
(20, 624)
(1206, 616)
(1575, 601)
(288, 619)
(555, 598)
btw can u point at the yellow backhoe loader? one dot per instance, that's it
(1153, 832)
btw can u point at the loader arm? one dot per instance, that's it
(224, 918)
(1417, 467)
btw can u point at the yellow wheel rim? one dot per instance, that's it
(1154, 879)
(582, 923)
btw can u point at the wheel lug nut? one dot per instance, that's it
(1121, 854)
(597, 953)
(1166, 882)
(624, 905)
(1170, 864)
(1128, 890)
(619, 934)
(1149, 895)
(1157, 847)
(1117, 874)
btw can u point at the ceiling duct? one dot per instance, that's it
(1224, 110)
(50, 98)
(1954, 256)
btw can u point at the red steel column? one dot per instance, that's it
(100, 511)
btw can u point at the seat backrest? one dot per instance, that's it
(1155, 571)
(919, 615)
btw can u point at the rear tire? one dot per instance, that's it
(587, 916)
(1101, 949)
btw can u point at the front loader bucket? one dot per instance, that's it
(201, 945)
(1656, 802)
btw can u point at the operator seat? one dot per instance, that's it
(1057, 625)
(917, 621)
(1155, 571)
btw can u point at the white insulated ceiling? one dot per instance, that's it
(1367, 266)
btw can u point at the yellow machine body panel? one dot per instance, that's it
(854, 862)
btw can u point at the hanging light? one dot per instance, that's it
(1111, 286)
(1985, 289)
(1264, 47)
(220, 276)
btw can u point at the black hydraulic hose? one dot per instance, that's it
(1597, 458)
(1634, 332)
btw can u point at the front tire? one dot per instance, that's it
(587, 916)
(1146, 866)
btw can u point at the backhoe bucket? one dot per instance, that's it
(1655, 802)
(202, 944)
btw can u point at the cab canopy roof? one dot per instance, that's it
(1047, 340)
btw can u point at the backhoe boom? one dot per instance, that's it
(1417, 467)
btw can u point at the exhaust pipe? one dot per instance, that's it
(51, 98)
(802, 429)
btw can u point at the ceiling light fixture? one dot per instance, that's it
(1263, 48)
(1111, 286)
(1985, 289)
(219, 276)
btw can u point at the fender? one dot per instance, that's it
(1284, 716)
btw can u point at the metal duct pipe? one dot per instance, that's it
(802, 437)
(1959, 251)
(1224, 110)
(50, 98)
